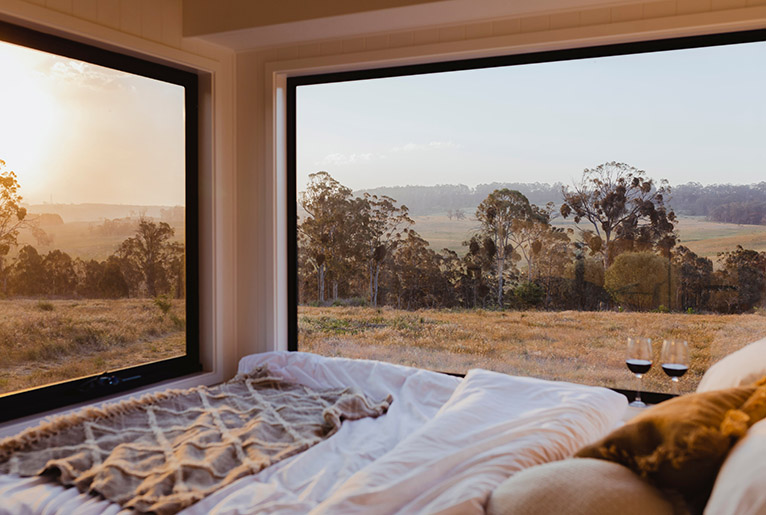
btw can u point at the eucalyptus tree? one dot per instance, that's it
(529, 234)
(695, 278)
(477, 263)
(418, 281)
(27, 275)
(385, 226)
(625, 208)
(327, 228)
(497, 214)
(147, 256)
(60, 276)
(13, 218)
(745, 270)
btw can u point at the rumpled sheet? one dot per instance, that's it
(444, 444)
(491, 427)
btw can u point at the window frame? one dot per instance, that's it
(15, 405)
(376, 72)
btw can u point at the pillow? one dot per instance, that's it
(680, 444)
(577, 487)
(739, 368)
(740, 488)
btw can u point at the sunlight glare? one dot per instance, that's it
(28, 117)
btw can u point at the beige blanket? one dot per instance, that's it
(166, 451)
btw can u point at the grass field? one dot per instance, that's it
(441, 232)
(43, 342)
(700, 235)
(709, 238)
(582, 347)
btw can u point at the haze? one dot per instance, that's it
(689, 115)
(79, 133)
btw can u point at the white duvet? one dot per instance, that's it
(445, 443)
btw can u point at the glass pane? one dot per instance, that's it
(92, 219)
(529, 219)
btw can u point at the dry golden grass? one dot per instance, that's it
(43, 342)
(581, 347)
(708, 238)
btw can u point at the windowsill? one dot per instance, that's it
(202, 378)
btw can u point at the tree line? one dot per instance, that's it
(426, 200)
(146, 264)
(740, 204)
(730, 203)
(364, 249)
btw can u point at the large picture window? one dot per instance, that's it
(530, 213)
(98, 230)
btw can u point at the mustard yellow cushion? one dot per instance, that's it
(680, 444)
(577, 487)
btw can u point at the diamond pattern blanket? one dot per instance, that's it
(166, 451)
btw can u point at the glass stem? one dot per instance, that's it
(638, 388)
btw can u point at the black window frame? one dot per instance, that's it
(15, 405)
(586, 52)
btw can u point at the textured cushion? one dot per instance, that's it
(740, 488)
(680, 444)
(739, 368)
(577, 486)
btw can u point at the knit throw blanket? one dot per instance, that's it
(166, 451)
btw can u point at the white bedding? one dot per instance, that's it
(442, 447)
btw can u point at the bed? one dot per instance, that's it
(443, 446)
(492, 443)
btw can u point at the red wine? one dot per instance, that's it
(674, 369)
(639, 366)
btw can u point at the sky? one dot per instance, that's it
(696, 115)
(80, 133)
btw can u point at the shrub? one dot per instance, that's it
(638, 280)
(164, 303)
(528, 295)
(45, 306)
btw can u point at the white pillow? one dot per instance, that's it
(739, 368)
(740, 488)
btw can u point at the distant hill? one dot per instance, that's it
(729, 203)
(737, 204)
(428, 200)
(98, 212)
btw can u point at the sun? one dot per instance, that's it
(28, 118)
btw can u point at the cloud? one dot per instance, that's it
(338, 158)
(432, 145)
(86, 75)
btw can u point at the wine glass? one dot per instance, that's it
(639, 361)
(675, 360)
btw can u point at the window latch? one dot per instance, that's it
(105, 380)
